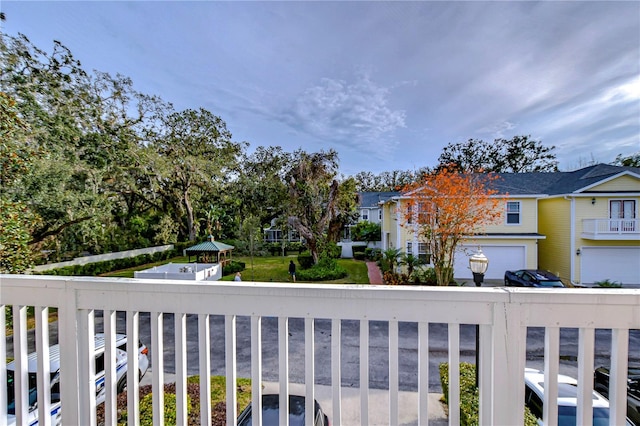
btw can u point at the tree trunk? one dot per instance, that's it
(190, 220)
(333, 233)
(313, 248)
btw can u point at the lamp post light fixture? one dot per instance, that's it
(478, 264)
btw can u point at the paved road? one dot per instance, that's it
(378, 354)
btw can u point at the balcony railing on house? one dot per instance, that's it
(611, 229)
(503, 316)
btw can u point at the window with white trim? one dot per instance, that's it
(513, 212)
(423, 253)
(409, 247)
(622, 214)
(364, 214)
(380, 214)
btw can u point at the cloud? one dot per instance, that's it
(353, 114)
(498, 130)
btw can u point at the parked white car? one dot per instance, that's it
(54, 357)
(567, 399)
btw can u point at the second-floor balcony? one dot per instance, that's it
(365, 337)
(611, 229)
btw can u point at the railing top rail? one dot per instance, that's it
(470, 305)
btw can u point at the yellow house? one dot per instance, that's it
(581, 225)
(590, 218)
(510, 244)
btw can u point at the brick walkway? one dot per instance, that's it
(375, 276)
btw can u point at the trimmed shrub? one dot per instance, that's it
(374, 254)
(233, 267)
(305, 260)
(97, 268)
(295, 246)
(321, 273)
(359, 255)
(469, 399)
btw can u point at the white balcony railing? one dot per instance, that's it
(611, 229)
(504, 317)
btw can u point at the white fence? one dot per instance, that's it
(84, 260)
(503, 316)
(182, 271)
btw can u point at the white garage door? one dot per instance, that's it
(621, 264)
(501, 258)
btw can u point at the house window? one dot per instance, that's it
(622, 214)
(409, 248)
(423, 253)
(424, 216)
(365, 214)
(513, 212)
(380, 215)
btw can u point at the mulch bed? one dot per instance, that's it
(218, 411)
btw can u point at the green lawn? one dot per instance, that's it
(268, 269)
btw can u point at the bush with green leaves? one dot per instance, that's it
(146, 409)
(366, 231)
(326, 269)
(97, 268)
(359, 256)
(295, 246)
(359, 252)
(305, 260)
(608, 284)
(331, 250)
(233, 267)
(374, 254)
(469, 398)
(424, 276)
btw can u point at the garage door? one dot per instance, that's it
(501, 258)
(621, 264)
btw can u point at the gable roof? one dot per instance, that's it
(209, 247)
(556, 183)
(371, 199)
(581, 180)
(534, 183)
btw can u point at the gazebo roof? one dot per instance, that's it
(209, 247)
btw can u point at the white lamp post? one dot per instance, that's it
(478, 264)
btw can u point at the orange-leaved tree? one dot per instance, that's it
(445, 207)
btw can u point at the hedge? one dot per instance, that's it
(233, 267)
(469, 400)
(98, 268)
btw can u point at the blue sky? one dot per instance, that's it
(386, 84)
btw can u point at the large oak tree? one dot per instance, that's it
(519, 154)
(191, 156)
(313, 193)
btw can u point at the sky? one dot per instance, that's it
(386, 84)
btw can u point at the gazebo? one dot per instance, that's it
(211, 252)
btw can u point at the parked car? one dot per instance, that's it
(567, 399)
(531, 278)
(601, 384)
(54, 365)
(271, 412)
